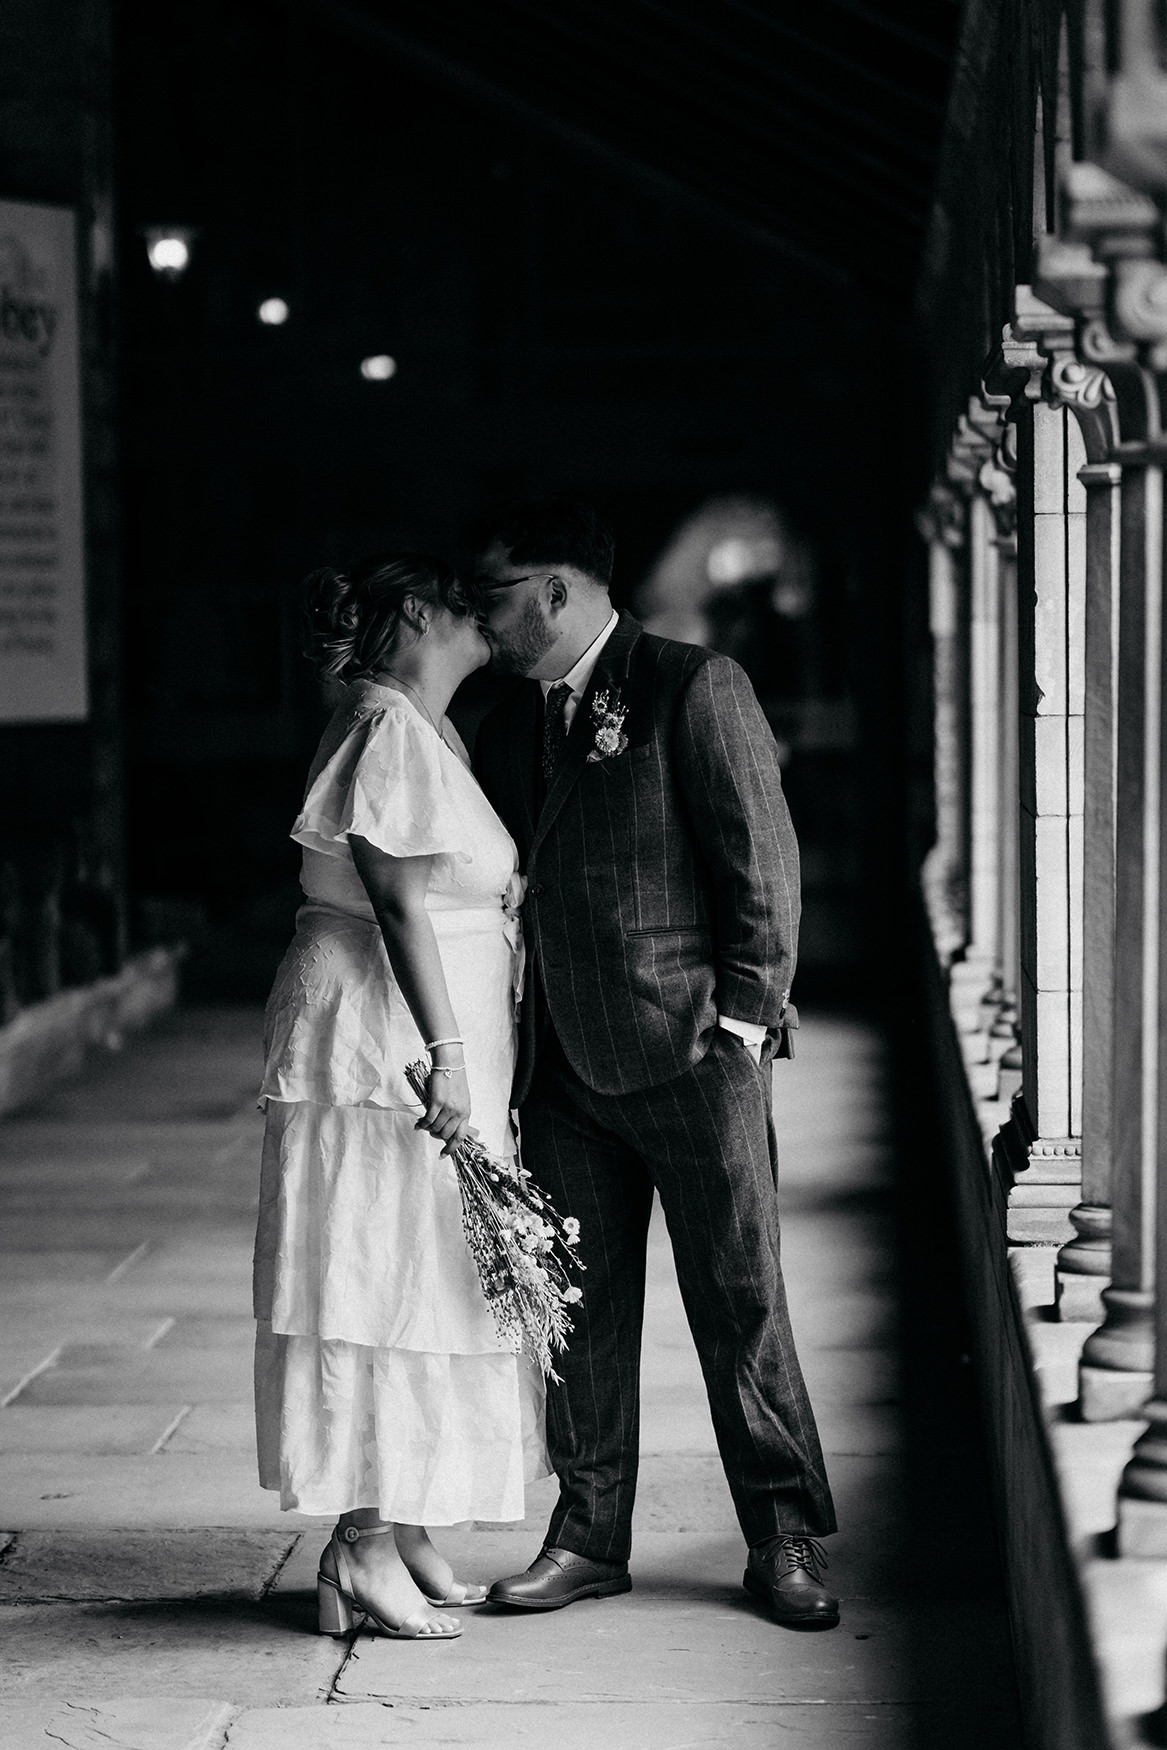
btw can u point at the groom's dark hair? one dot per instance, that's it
(552, 531)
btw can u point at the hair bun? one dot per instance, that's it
(332, 619)
(354, 618)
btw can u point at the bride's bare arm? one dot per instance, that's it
(397, 888)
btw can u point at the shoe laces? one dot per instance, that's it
(804, 1552)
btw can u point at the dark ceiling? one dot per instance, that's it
(811, 127)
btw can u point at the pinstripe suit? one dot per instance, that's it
(663, 889)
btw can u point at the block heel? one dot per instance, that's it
(336, 1604)
(334, 1613)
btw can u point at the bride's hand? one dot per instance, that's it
(447, 1116)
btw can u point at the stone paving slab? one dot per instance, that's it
(67, 1172)
(54, 1264)
(649, 1647)
(148, 1376)
(183, 1293)
(248, 1654)
(100, 1429)
(216, 1428)
(176, 1489)
(154, 1724)
(645, 1725)
(141, 1564)
(20, 1359)
(202, 1331)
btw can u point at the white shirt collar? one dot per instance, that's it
(578, 677)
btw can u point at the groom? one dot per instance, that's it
(640, 781)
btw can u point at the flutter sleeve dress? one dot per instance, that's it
(380, 1379)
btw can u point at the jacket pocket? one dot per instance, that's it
(670, 930)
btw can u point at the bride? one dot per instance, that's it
(383, 1394)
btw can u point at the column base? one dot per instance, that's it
(1142, 1494)
(1084, 1265)
(1115, 1374)
(1110, 1394)
(1078, 1299)
(1142, 1530)
(1039, 1179)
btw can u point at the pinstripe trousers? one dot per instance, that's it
(705, 1140)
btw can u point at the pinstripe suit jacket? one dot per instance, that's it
(663, 881)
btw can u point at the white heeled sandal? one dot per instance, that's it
(337, 1605)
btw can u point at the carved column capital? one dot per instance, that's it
(1138, 307)
(1070, 383)
(943, 519)
(1111, 219)
(1019, 368)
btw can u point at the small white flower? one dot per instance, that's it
(571, 1296)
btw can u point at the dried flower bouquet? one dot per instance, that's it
(522, 1247)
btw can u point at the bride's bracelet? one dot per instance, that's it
(446, 1069)
(433, 1044)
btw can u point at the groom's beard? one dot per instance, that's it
(525, 640)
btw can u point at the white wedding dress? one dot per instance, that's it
(380, 1380)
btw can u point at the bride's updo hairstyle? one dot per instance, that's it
(355, 619)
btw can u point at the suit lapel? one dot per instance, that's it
(611, 672)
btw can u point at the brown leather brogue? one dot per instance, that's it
(557, 1577)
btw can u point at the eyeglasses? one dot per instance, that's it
(494, 586)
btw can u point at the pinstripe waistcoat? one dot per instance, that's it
(662, 880)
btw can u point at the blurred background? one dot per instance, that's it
(350, 274)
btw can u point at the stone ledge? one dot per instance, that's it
(1059, 1657)
(50, 1041)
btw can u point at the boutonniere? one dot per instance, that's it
(608, 714)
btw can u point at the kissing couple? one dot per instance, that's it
(594, 924)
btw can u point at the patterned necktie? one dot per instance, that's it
(554, 728)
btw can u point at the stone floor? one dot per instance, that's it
(153, 1598)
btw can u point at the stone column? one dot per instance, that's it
(1070, 278)
(1133, 136)
(1140, 1215)
(945, 867)
(982, 972)
(1115, 1373)
(1037, 1154)
(1122, 324)
(1006, 1027)
(1084, 1262)
(1002, 1078)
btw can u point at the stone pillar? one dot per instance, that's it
(1137, 1302)
(985, 802)
(1115, 1374)
(945, 867)
(1037, 1154)
(1000, 1080)
(1006, 1027)
(1132, 135)
(1084, 1262)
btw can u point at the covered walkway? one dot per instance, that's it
(152, 1598)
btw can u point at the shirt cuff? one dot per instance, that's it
(747, 1030)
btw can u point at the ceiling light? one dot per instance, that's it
(379, 368)
(168, 249)
(273, 312)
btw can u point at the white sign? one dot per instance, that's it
(42, 560)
